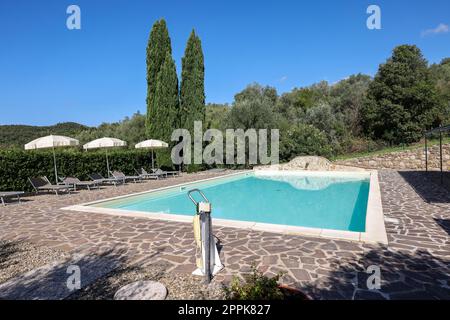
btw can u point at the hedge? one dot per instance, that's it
(17, 165)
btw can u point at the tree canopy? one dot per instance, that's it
(440, 74)
(253, 109)
(166, 101)
(192, 92)
(159, 45)
(401, 101)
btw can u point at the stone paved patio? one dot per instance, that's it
(415, 264)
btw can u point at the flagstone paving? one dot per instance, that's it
(415, 264)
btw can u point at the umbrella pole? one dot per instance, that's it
(54, 163)
(107, 162)
(153, 163)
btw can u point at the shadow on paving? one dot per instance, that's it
(7, 249)
(58, 280)
(444, 224)
(427, 185)
(403, 276)
(105, 287)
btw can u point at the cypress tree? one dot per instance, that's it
(192, 94)
(166, 100)
(158, 46)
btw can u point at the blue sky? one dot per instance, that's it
(50, 74)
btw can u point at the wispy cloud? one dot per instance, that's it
(337, 81)
(283, 79)
(441, 28)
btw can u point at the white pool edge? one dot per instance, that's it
(375, 228)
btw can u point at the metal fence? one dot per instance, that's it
(437, 133)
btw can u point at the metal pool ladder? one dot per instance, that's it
(204, 210)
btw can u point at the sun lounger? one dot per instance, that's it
(157, 172)
(166, 173)
(75, 182)
(99, 179)
(7, 194)
(145, 175)
(43, 184)
(125, 178)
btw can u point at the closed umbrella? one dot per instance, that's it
(105, 143)
(152, 144)
(53, 142)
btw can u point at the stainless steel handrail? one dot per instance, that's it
(192, 198)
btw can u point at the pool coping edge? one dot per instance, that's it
(375, 227)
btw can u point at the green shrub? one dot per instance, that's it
(303, 140)
(257, 286)
(17, 165)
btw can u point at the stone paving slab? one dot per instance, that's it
(416, 262)
(56, 281)
(142, 290)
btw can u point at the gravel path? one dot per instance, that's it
(179, 286)
(19, 257)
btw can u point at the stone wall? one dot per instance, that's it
(409, 159)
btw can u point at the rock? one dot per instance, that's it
(142, 290)
(307, 163)
(310, 163)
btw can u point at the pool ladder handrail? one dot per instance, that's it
(192, 198)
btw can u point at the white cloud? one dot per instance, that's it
(283, 79)
(337, 81)
(441, 28)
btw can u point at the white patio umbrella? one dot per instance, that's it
(53, 142)
(152, 144)
(105, 143)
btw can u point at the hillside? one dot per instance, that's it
(18, 135)
(390, 150)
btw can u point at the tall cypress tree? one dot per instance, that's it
(158, 46)
(166, 100)
(192, 93)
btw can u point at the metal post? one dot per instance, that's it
(153, 161)
(440, 156)
(54, 162)
(204, 210)
(107, 162)
(426, 154)
(207, 218)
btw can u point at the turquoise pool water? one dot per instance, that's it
(328, 202)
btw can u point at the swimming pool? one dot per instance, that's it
(319, 203)
(328, 204)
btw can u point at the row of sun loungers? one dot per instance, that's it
(72, 183)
